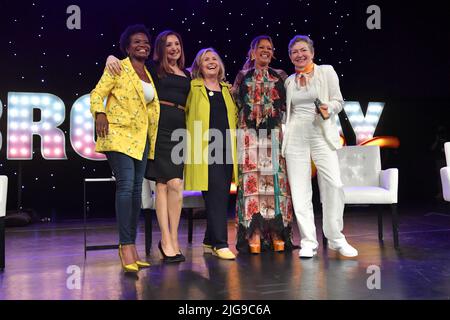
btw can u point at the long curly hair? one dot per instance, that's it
(250, 63)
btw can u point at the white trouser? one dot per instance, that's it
(305, 142)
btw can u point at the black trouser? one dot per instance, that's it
(216, 203)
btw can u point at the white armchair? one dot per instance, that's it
(3, 195)
(366, 184)
(148, 206)
(445, 174)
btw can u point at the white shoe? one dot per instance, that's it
(344, 249)
(307, 252)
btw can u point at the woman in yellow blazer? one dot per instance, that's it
(126, 130)
(211, 164)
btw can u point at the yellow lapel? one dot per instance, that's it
(128, 67)
(199, 83)
(226, 87)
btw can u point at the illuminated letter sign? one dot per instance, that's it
(82, 130)
(21, 127)
(363, 126)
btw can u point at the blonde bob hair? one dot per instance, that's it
(196, 65)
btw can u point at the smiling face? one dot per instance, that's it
(263, 53)
(139, 47)
(301, 55)
(173, 48)
(210, 65)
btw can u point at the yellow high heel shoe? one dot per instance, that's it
(132, 267)
(142, 264)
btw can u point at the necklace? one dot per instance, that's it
(210, 92)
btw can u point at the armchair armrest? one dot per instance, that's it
(148, 191)
(445, 178)
(3, 194)
(389, 181)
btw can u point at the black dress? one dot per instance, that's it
(220, 170)
(175, 89)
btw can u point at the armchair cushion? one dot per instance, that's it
(367, 195)
(364, 181)
(360, 166)
(193, 199)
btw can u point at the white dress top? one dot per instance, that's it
(149, 91)
(303, 101)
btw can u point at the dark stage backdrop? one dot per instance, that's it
(404, 64)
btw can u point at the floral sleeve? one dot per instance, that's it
(281, 88)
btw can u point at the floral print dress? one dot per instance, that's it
(263, 199)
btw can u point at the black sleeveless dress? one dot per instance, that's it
(175, 89)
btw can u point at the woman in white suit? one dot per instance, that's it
(311, 133)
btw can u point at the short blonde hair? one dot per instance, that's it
(196, 69)
(300, 38)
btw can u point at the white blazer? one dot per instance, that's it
(327, 86)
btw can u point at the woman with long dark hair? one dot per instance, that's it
(264, 207)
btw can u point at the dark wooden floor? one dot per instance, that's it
(38, 257)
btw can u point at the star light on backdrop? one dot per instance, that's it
(48, 58)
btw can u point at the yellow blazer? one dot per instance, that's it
(130, 119)
(198, 109)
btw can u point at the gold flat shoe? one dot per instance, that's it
(223, 253)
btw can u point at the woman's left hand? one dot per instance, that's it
(324, 109)
(101, 125)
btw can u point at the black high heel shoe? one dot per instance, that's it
(181, 257)
(166, 258)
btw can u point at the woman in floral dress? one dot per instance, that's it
(264, 207)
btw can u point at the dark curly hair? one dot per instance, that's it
(125, 37)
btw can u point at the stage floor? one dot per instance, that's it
(38, 258)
